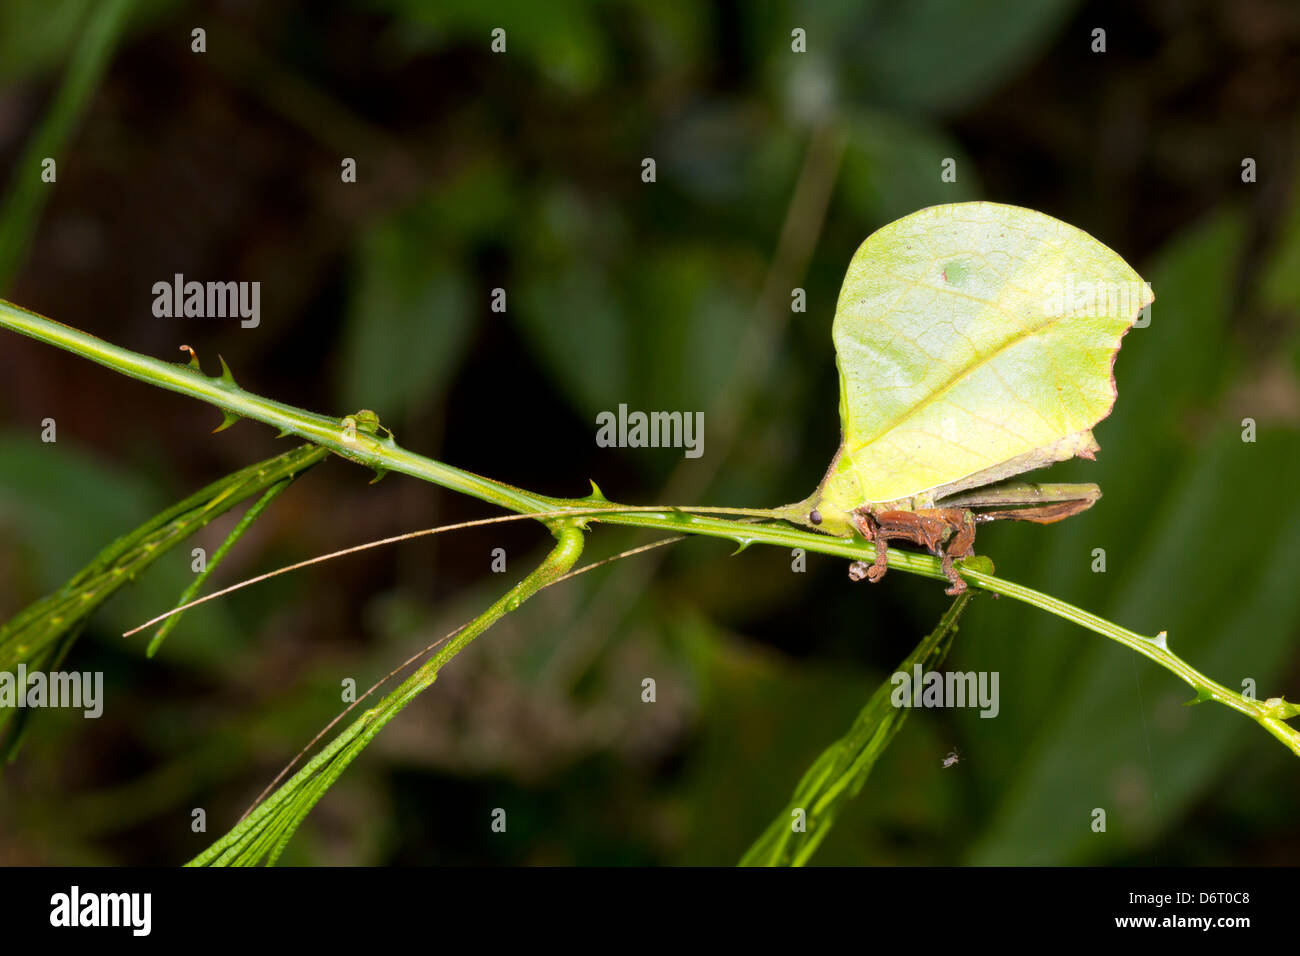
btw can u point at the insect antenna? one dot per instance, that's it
(424, 652)
(426, 532)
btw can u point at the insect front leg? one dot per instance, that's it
(873, 572)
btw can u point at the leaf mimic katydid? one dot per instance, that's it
(974, 342)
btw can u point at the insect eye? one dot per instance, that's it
(815, 516)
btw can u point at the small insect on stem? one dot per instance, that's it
(952, 758)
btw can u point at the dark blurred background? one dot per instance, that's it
(522, 171)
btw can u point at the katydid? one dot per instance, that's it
(948, 530)
(975, 342)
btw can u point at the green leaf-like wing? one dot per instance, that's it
(974, 342)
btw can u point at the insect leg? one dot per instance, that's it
(1039, 514)
(960, 545)
(957, 585)
(872, 532)
(881, 564)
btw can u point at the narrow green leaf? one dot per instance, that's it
(262, 835)
(41, 632)
(839, 773)
(246, 522)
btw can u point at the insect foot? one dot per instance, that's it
(958, 585)
(872, 572)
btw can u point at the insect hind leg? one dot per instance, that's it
(960, 545)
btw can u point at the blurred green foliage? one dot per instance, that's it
(521, 171)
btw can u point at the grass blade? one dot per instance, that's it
(246, 522)
(261, 836)
(839, 773)
(45, 630)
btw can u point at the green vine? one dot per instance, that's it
(360, 438)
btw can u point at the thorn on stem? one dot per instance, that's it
(226, 375)
(227, 419)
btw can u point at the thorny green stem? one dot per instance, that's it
(359, 438)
